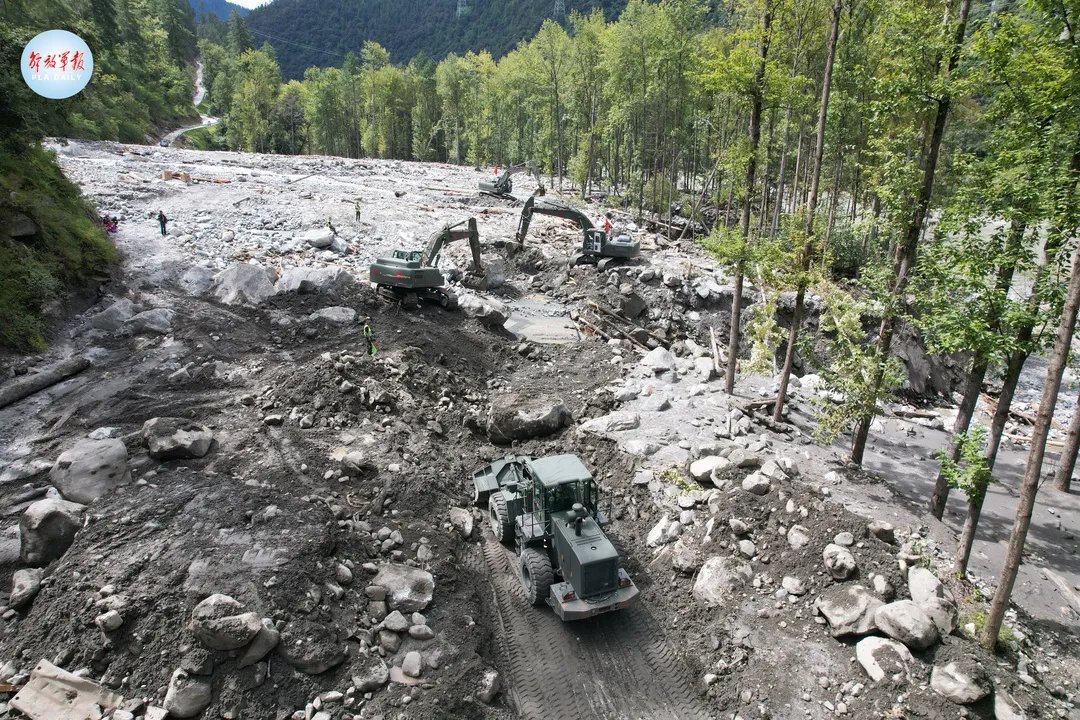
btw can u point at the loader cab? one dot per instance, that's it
(556, 484)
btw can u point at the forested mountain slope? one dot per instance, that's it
(220, 8)
(320, 32)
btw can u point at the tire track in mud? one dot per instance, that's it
(616, 666)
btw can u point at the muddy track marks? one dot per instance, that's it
(613, 667)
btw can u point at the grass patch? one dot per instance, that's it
(1006, 638)
(68, 247)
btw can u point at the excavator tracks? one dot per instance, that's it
(616, 666)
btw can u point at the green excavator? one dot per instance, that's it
(503, 184)
(413, 275)
(597, 246)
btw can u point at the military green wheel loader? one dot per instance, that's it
(548, 507)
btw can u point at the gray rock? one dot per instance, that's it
(412, 665)
(113, 317)
(883, 531)
(151, 322)
(943, 614)
(756, 484)
(685, 558)
(747, 549)
(963, 682)
(1005, 707)
(336, 314)
(396, 622)
(305, 280)
(91, 469)
(719, 579)
(175, 438)
(849, 609)
(521, 417)
(844, 539)
(490, 686)
(702, 470)
(882, 658)
(242, 284)
(793, 586)
(47, 529)
(264, 641)
(109, 621)
(903, 620)
(421, 632)
(462, 521)
(489, 312)
(25, 584)
(310, 647)
(319, 237)
(218, 623)
(612, 422)
(839, 561)
(373, 678)
(658, 360)
(924, 586)
(658, 534)
(188, 695)
(343, 575)
(798, 537)
(408, 589)
(197, 281)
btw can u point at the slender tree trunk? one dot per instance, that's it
(908, 250)
(834, 201)
(756, 91)
(765, 175)
(807, 249)
(798, 169)
(979, 365)
(1033, 472)
(784, 151)
(967, 537)
(1067, 463)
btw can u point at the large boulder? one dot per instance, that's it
(310, 647)
(658, 360)
(151, 322)
(962, 681)
(407, 588)
(242, 284)
(882, 658)
(489, 312)
(175, 438)
(903, 620)
(702, 470)
(219, 623)
(520, 417)
(113, 317)
(188, 695)
(91, 469)
(849, 609)
(373, 677)
(319, 237)
(612, 422)
(197, 280)
(719, 579)
(47, 529)
(924, 586)
(264, 641)
(494, 270)
(311, 280)
(337, 315)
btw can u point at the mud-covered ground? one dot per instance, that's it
(325, 458)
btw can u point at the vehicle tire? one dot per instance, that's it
(536, 575)
(499, 518)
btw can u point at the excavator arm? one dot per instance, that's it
(452, 233)
(553, 208)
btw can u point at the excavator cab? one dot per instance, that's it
(409, 256)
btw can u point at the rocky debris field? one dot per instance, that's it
(237, 512)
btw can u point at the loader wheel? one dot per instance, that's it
(501, 527)
(536, 575)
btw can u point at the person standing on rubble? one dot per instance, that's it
(607, 222)
(161, 221)
(368, 337)
(356, 207)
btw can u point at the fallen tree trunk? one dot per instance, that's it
(16, 391)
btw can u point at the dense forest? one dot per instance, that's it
(900, 161)
(322, 32)
(50, 238)
(217, 8)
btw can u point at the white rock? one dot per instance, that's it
(25, 584)
(882, 658)
(319, 237)
(412, 665)
(219, 623)
(188, 695)
(462, 521)
(91, 469)
(488, 311)
(658, 360)
(656, 536)
(756, 484)
(175, 438)
(719, 579)
(849, 609)
(47, 529)
(903, 620)
(109, 621)
(798, 537)
(242, 284)
(264, 641)
(961, 682)
(336, 314)
(612, 422)
(703, 469)
(490, 686)
(408, 589)
(839, 561)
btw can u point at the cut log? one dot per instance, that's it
(16, 391)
